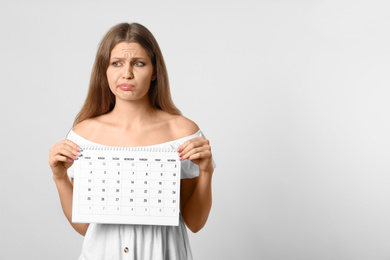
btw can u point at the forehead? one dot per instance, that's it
(128, 49)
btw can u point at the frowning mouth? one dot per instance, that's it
(126, 87)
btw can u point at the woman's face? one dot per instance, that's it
(130, 71)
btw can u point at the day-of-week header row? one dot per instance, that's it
(130, 159)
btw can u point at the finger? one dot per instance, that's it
(200, 155)
(185, 144)
(187, 153)
(61, 157)
(66, 148)
(191, 144)
(70, 154)
(58, 158)
(72, 144)
(62, 148)
(193, 151)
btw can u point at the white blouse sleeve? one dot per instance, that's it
(189, 169)
(73, 138)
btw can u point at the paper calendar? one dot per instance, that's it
(127, 185)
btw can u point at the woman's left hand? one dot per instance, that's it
(198, 151)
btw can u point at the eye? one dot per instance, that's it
(139, 64)
(116, 64)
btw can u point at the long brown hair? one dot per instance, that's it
(100, 99)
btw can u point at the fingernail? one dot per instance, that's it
(78, 148)
(75, 157)
(69, 160)
(78, 153)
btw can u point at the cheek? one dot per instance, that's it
(146, 76)
(111, 76)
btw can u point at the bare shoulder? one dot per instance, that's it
(182, 127)
(87, 127)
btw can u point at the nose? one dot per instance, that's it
(128, 72)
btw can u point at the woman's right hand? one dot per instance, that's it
(61, 157)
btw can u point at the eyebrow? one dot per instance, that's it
(122, 58)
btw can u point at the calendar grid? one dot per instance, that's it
(127, 187)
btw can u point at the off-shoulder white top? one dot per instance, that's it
(141, 242)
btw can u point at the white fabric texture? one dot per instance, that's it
(142, 242)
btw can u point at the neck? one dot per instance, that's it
(128, 114)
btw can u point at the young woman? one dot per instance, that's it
(129, 104)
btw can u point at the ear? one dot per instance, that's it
(154, 75)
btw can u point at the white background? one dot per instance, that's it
(293, 95)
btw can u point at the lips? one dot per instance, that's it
(126, 87)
